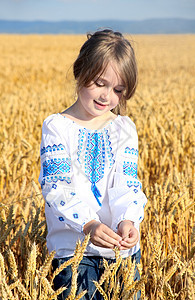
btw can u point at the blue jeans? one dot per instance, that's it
(89, 269)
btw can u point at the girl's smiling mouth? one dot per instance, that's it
(100, 104)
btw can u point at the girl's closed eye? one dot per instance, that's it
(118, 91)
(99, 83)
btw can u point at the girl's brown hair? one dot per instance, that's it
(101, 48)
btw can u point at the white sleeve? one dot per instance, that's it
(126, 199)
(56, 178)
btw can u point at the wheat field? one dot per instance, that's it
(36, 80)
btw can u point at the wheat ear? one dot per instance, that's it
(13, 265)
(47, 265)
(56, 293)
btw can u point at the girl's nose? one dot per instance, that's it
(105, 93)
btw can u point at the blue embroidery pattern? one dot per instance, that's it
(61, 219)
(56, 166)
(109, 148)
(81, 137)
(98, 146)
(75, 216)
(62, 202)
(131, 151)
(130, 168)
(54, 169)
(55, 179)
(53, 148)
(42, 183)
(135, 183)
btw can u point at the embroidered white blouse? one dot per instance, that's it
(89, 174)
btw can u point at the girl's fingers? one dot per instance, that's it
(110, 233)
(111, 240)
(103, 236)
(128, 243)
(104, 244)
(105, 240)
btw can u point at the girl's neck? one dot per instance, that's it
(90, 122)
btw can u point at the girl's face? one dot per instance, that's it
(103, 94)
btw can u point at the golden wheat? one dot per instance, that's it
(36, 80)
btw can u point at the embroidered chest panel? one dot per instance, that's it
(95, 153)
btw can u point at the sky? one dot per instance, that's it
(87, 10)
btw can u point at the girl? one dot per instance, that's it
(89, 157)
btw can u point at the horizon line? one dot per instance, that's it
(100, 20)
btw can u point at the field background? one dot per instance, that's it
(35, 81)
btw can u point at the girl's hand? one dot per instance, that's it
(102, 235)
(129, 234)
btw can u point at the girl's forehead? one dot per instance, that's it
(111, 73)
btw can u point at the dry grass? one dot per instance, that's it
(35, 81)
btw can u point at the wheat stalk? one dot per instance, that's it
(100, 289)
(63, 266)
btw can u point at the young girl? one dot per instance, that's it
(89, 157)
